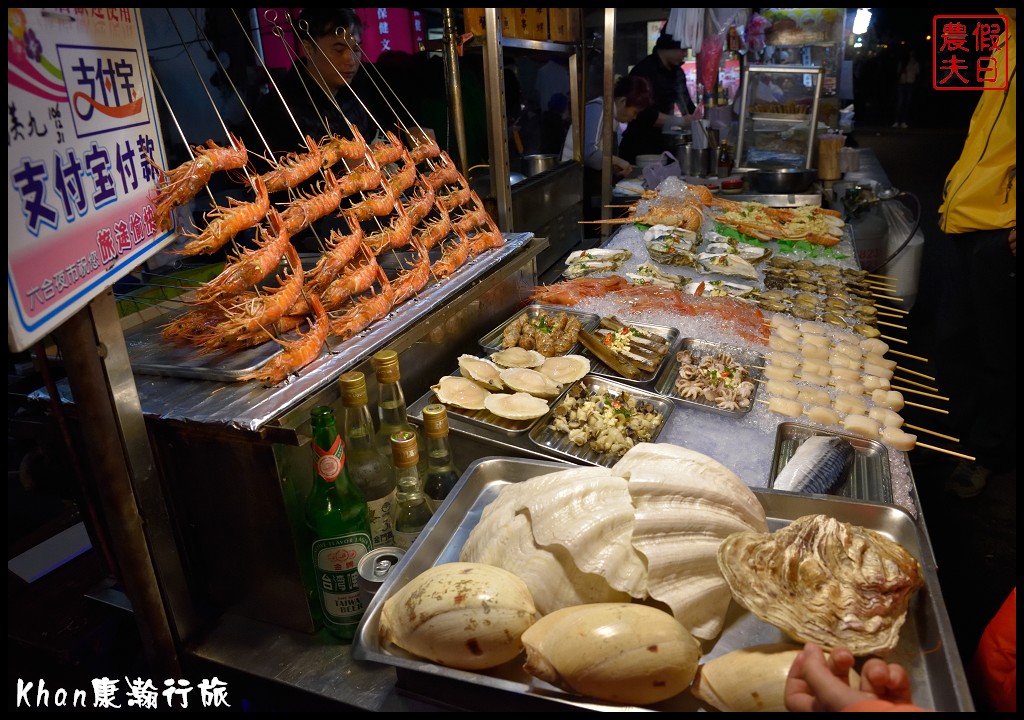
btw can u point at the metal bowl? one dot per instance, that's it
(782, 180)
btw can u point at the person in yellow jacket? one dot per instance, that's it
(978, 215)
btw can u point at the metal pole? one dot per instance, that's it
(497, 130)
(451, 66)
(121, 460)
(609, 118)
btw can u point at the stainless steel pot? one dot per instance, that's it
(782, 180)
(536, 164)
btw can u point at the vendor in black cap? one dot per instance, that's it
(664, 69)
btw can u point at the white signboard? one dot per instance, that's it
(81, 125)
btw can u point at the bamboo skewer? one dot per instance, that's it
(908, 355)
(932, 432)
(911, 382)
(894, 325)
(883, 277)
(886, 337)
(926, 407)
(886, 297)
(926, 377)
(944, 450)
(918, 392)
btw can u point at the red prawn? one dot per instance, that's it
(334, 148)
(403, 179)
(308, 208)
(294, 168)
(421, 203)
(358, 278)
(225, 223)
(375, 205)
(176, 187)
(395, 235)
(363, 178)
(435, 230)
(340, 251)
(251, 266)
(296, 354)
(411, 280)
(387, 153)
(452, 257)
(365, 310)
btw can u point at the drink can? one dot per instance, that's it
(374, 568)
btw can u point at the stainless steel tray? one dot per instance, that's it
(927, 647)
(482, 418)
(670, 334)
(560, 444)
(491, 342)
(868, 477)
(664, 383)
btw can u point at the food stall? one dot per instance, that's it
(232, 464)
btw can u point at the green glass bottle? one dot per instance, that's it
(442, 473)
(391, 409)
(371, 470)
(339, 525)
(412, 512)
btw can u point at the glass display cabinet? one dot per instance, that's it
(778, 116)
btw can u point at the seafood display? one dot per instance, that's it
(819, 465)
(588, 262)
(824, 581)
(604, 422)
(549, 334)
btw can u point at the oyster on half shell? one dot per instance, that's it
(518, 357)
(460, 392)
(482, 371)
(530, 381)
(565, 369)
(516, 406)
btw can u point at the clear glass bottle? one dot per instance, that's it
(339, 526)
(371, 470)
(391, 410)
(411, 509)
(442, 473)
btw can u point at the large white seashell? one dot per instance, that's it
(516, 406)
(469, 616)
(619, 652)
(482, 371)
(461, 392)
(530, 381)
(503, 537)
(751, 679)
(686, 504)
(824, 581)
(518, 357)
(565, 369)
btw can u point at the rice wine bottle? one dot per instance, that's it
(372, 471)
(412, 512)
(339, 526)
(442, 474)
(391, 409)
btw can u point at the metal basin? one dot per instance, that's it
(782, 180)
(536, 164)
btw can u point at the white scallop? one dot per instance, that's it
(565, 369)
(516, 406)
(482, 370)
(518, 357)
(530, 381)
(461, 392)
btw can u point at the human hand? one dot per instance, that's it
(819, 684)
(621, 168)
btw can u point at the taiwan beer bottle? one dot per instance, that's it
(391, 409)
(371, 470)
(442, 473)
(339, 526)
(411, 510)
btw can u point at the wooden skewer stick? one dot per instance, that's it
(932, 432)
(872, 294)
(926, 407)
(883, 277)
(908, 355)
(911, 382)
(611, 221)
(918, 392)
(889, 324)
(889, 314)
(880, 285)
(926, 377)
(948, 452)
(886, 337)
(892, 308)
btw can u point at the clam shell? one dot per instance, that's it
(503, 537)
(516, 406)
(751, 679)
(530, 381)
(461, 392)
(518, 357)
(619, 652)
(482, 371)
(824, 581)
(565, 369)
